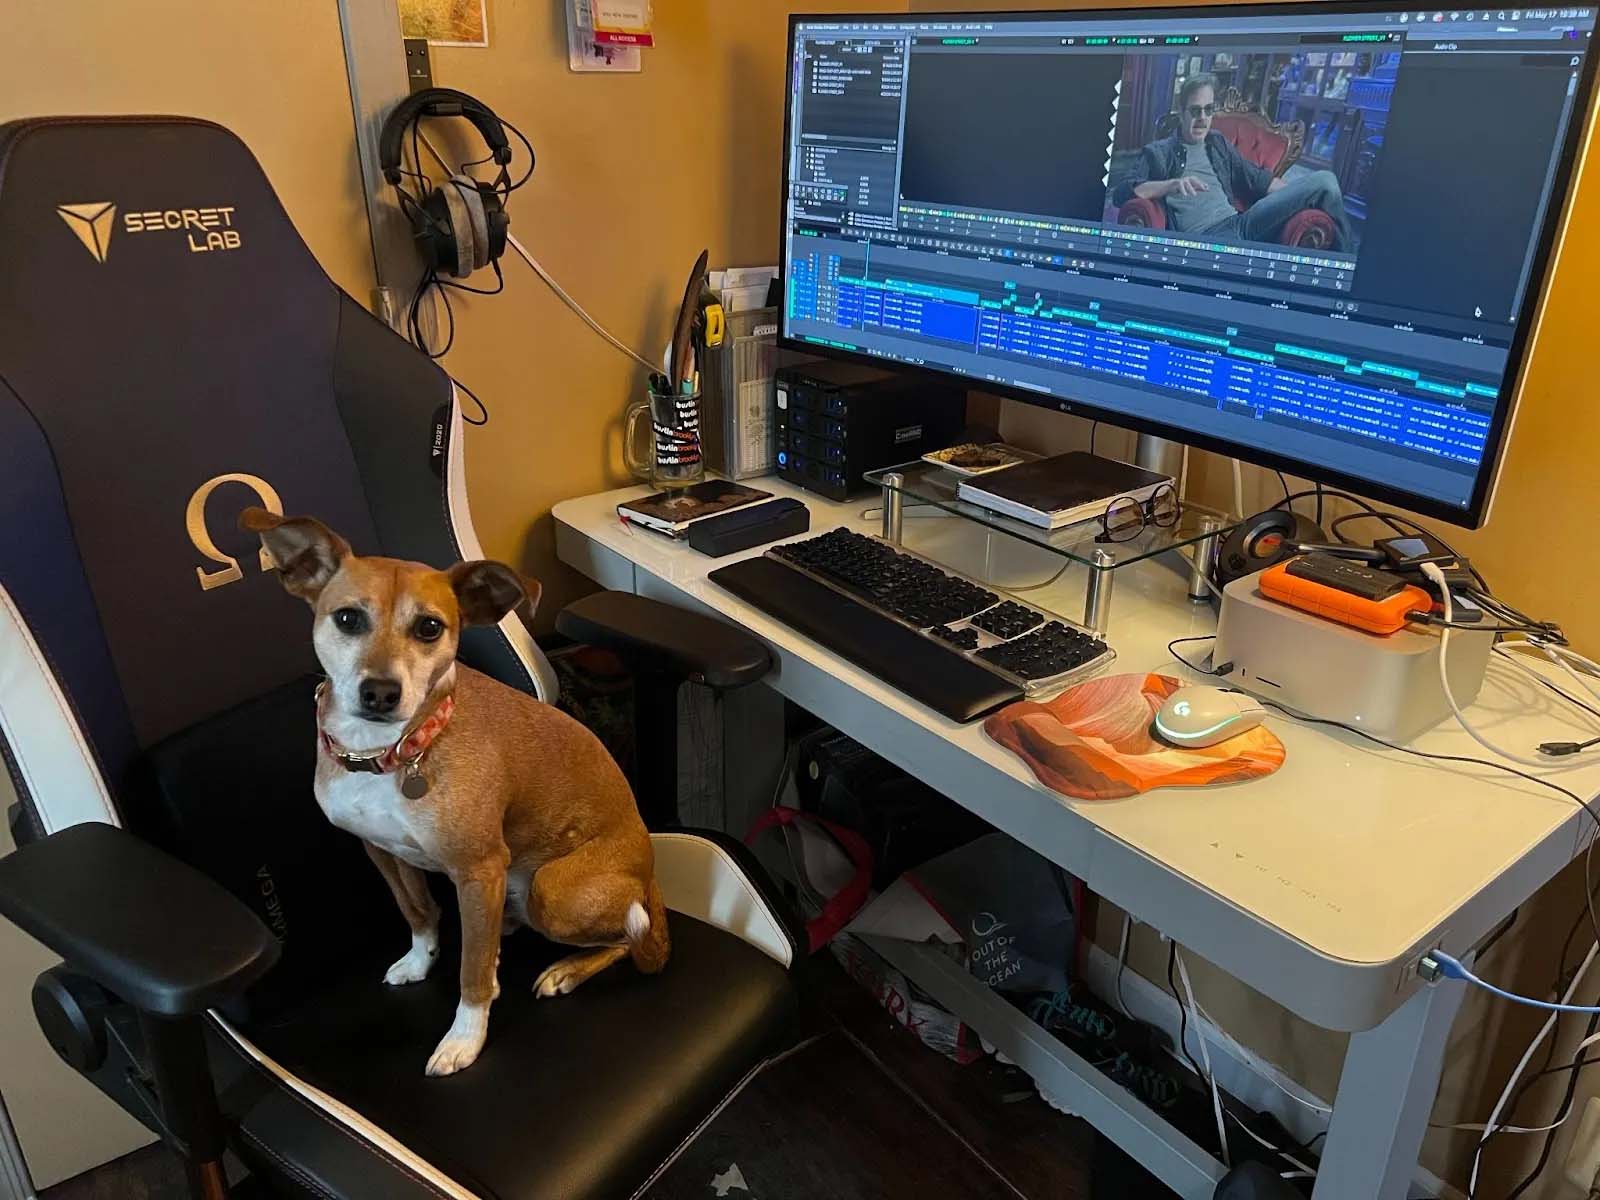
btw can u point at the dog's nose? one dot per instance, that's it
(380, 695)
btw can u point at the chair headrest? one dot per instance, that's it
(167, 357)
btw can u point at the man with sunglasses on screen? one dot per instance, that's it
(1197, 175)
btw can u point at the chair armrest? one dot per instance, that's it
(153, 930)
(1139, 211)
(717, 879)
(664, 637)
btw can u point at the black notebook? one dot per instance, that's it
(1060, 490)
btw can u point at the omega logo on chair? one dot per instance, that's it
(194, 518)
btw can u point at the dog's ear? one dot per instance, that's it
(485, 590)
(306, 552)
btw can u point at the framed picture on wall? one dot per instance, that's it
(446, 22)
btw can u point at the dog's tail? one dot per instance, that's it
(648, 940)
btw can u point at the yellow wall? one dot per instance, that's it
(276, 76)
(637, 174)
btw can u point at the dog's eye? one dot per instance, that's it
(428, 629)
(350, 620)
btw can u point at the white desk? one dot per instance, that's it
(1320, 886)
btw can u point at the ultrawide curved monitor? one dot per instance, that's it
(1312, 236)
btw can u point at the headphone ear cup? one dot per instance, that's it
(467, 188)
(436, 232)
(497, 221)
(463, 258)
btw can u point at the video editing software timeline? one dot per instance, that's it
(1312, 235)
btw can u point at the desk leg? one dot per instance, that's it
(1386, 1091)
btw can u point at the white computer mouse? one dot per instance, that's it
(1203, 716)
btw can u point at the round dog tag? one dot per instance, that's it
(413, 784)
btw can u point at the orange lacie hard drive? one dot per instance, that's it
(1375, 616)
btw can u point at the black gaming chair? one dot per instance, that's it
(170, 352)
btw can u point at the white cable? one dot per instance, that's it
(1285, 1156)
(1122, 963)
(1205, 1058)
(511, 240)
(1436, 576)
(1238, 489)
(1464, 1127)
(1560, 655)
(1268, 1075)
(1506, 651)
(1522, 1064)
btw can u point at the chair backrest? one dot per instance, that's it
(1257, 139)
(171, 352)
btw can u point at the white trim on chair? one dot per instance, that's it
(523, 646)
(37, 723)
(353, 1121)
(702, 880)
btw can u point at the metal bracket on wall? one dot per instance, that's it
(419, 67)
(375, 61)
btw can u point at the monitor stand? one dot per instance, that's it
(1158, 454)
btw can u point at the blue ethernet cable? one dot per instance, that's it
(1450, 967)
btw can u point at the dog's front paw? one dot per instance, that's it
(414, 965)
(461, 1046)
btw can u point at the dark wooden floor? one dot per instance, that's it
(861, 1111)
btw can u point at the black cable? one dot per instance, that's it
(1320, 497)
(532, 159)
(1565, 1112)
(1172, 649)
(1452, 758)
(1313, 491)
(1094, 432)
(430, 281)
(1391, 519)
(1437, 621)
(482, 407)
(1286, 502)
(1577, 1065)
(1562, 980)
(500, 283)
(1292, 714)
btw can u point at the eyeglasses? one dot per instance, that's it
(1201, 110)
(1125, 518)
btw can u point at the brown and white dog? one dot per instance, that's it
(436, 767)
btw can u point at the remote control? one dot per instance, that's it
(1345, 576)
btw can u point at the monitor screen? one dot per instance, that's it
(1312, 236)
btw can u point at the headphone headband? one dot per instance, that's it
(438, 102)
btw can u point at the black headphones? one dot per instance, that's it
(461, 225)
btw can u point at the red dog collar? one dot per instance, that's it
(407, 752)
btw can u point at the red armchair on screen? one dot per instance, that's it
(1275, 147)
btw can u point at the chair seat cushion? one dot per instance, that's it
(584, 1095)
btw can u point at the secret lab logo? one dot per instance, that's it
(204, 229)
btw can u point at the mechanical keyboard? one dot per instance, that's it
(946, 641)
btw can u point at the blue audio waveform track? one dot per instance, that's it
(1251, 382)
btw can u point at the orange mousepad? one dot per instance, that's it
(1093, 742)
